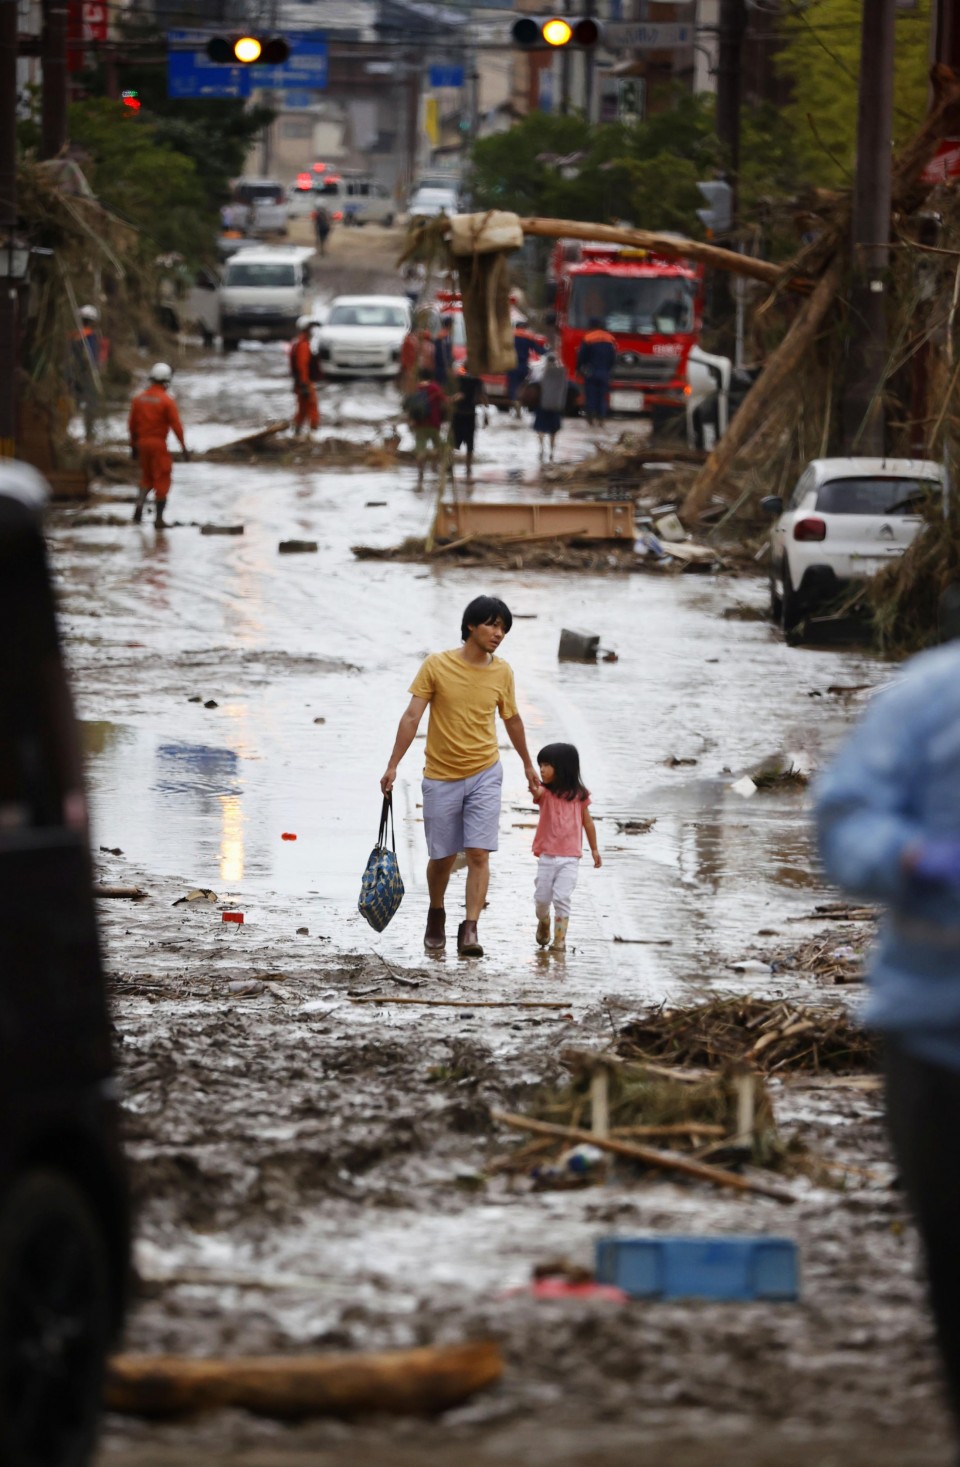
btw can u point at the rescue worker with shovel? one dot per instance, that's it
(153, 414)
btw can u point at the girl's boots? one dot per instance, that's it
(559, 943)
(543, 930)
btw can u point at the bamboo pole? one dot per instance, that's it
(664, 1160)
(673, 247)
(402, 1382)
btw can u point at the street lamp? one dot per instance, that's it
(14, 259)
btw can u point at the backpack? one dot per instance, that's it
(417, 406)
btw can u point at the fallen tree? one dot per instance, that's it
(422, 1382)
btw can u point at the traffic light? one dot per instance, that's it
(554, 32)
(248, 50)
(718, 218)
(131, 99)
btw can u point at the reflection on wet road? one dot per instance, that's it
(308, 659)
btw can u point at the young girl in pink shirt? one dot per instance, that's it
(558, 843)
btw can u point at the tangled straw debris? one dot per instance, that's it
(767, 1035)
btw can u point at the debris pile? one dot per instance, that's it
(764, 1034)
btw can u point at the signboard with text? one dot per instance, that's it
(190, 73)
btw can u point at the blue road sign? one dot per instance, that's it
(305, 69)
(446, 76)
(191, 74)
(296, 101)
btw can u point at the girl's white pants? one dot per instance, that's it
(556, 880)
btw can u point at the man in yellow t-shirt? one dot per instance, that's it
(465, 688)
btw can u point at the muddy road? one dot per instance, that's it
(311, 1170)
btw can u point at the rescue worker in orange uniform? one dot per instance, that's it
(595, 362)
(153, 414)
(304, 368)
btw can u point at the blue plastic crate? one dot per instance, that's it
(700, 1268)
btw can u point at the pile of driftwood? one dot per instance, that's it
(772, 1036)
(510, 552)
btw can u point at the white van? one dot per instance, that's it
(356, 200)
(263, 292)
(266, 201)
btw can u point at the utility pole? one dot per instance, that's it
(8, 222)
(53, 61)
(862, 410)
(946, 33)
(733, 24)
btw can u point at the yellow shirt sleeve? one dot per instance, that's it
(507, 702)
(424, 684)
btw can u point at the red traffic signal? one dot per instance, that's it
(554, 32)
(248, 50)
(131, 100)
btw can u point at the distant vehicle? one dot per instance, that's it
(716, 391)
(845, 520)
(190, 303)
(428, 203)
(262, 293)
(369, 202)
(64, 1208)
(303, 196)
(652, 306)
(266, 199)
(362, 334)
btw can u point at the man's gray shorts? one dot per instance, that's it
(459, 814)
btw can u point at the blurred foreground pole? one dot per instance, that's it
(53, 60)
(8, 220)
(946, 33)
(862, 409)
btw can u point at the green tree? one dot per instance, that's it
(142, 178)
(821, 57)
(562, 167)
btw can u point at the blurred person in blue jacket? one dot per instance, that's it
(888, 817)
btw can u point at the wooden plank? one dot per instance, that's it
(466, 1003)
(585, 520)
(403, 1382)
(663, 1160)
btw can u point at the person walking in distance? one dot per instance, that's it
(464, 689)
(321, 227)
(87, 360)
(153, 414)
(558, 844)
(305, 370)
(550, 377)
(888, 816)
(426, 409)
(468, 394)
(527, 348)
(595, 361)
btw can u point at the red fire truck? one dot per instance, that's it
(652, 306)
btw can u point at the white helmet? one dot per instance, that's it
(304, 322)
(161, 372)
(89, 313)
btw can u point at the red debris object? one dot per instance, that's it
(554, 1287)
(288, 835)
(232, 917)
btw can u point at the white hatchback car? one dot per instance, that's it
(362, 334)
(845, 520)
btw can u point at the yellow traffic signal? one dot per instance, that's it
(247, 49)
(556, 31)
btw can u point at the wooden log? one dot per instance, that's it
(760, 399)
(466, 1003)
(672, 247)
(132, 893)
(664, 1160)
(404, 1382)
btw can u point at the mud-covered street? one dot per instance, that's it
(312, 1169)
